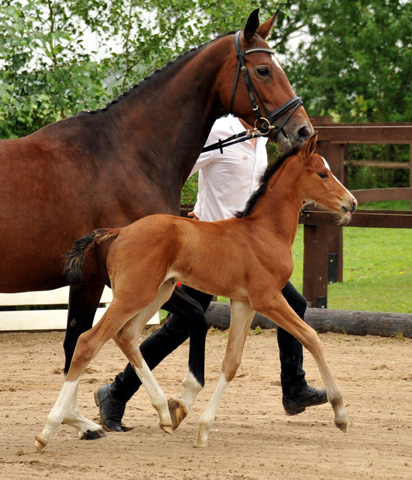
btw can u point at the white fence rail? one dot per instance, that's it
(52, 319)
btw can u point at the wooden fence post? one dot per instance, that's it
(323, 244)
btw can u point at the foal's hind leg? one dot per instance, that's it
(241, 319)
(89, 343)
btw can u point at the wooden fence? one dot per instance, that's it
(323, 240)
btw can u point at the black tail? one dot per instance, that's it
(73, 269)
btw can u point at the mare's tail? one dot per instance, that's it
(73, 269)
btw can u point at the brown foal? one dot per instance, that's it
(247, 259)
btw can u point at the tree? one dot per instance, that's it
(355, 61)
(45, 73)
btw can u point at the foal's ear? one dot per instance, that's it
(266, 27)
(252, 25)
(310, 147)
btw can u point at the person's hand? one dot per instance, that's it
(192, 215)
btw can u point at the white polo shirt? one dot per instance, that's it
(226, 181)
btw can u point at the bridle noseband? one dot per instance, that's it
(266, 121)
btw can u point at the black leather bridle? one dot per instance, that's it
(266, 121)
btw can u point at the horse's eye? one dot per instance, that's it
(323, 175)
(263, 71)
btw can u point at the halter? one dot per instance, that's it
(267, 122)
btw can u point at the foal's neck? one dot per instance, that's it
(278, 209)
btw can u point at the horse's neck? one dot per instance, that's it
(278, 209)
(177, 104)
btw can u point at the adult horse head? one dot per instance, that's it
(128, 160)
(278, 112)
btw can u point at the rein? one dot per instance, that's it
(267, 121)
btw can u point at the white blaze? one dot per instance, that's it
(328, 167)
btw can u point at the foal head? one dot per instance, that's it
(318, 184)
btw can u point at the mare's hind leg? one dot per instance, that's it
(127, 340)
(241, 319)
(280, 312)
(191, 311)
(83, 303)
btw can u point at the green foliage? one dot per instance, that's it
(373, 177)
(189, 191)
(356, 64)
(45, 74)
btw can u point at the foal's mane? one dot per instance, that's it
(271, 169)
(155, 73)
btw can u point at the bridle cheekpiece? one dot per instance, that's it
(266, 121)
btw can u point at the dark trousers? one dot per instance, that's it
(175, 331)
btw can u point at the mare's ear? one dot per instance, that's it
(252, 25)
(310, 147)
(266, 27)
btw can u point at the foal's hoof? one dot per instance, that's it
(177, 412)
(167, 428)
(341, 425)
(38, 444)
(95, 435)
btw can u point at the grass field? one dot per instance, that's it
(377, 270)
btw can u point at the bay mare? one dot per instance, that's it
(128, 160)
(247, 259)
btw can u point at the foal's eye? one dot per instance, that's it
(323, 175)
(263, 71)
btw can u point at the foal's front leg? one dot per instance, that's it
(241, 319)
(282, 314)
(127, 341)
(191, 311)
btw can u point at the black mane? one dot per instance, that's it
(151, 75)
(271, 169)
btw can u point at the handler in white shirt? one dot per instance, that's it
(226, 181)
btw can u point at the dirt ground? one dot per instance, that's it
(252, 438)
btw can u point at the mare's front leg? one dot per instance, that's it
(191, 311)
(279, 311)
(241, 319)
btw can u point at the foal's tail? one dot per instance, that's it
(73, 269)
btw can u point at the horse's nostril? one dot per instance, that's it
(304, 132)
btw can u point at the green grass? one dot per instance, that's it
(392, 205)
(377, 270)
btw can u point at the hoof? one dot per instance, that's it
(342, 426)
(167, 428)
(38, 444)
(177, 412)
(95, 435)
(200, 444)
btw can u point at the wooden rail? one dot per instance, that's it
(323, 240)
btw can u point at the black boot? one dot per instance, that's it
(300, 398)
(111, 409)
